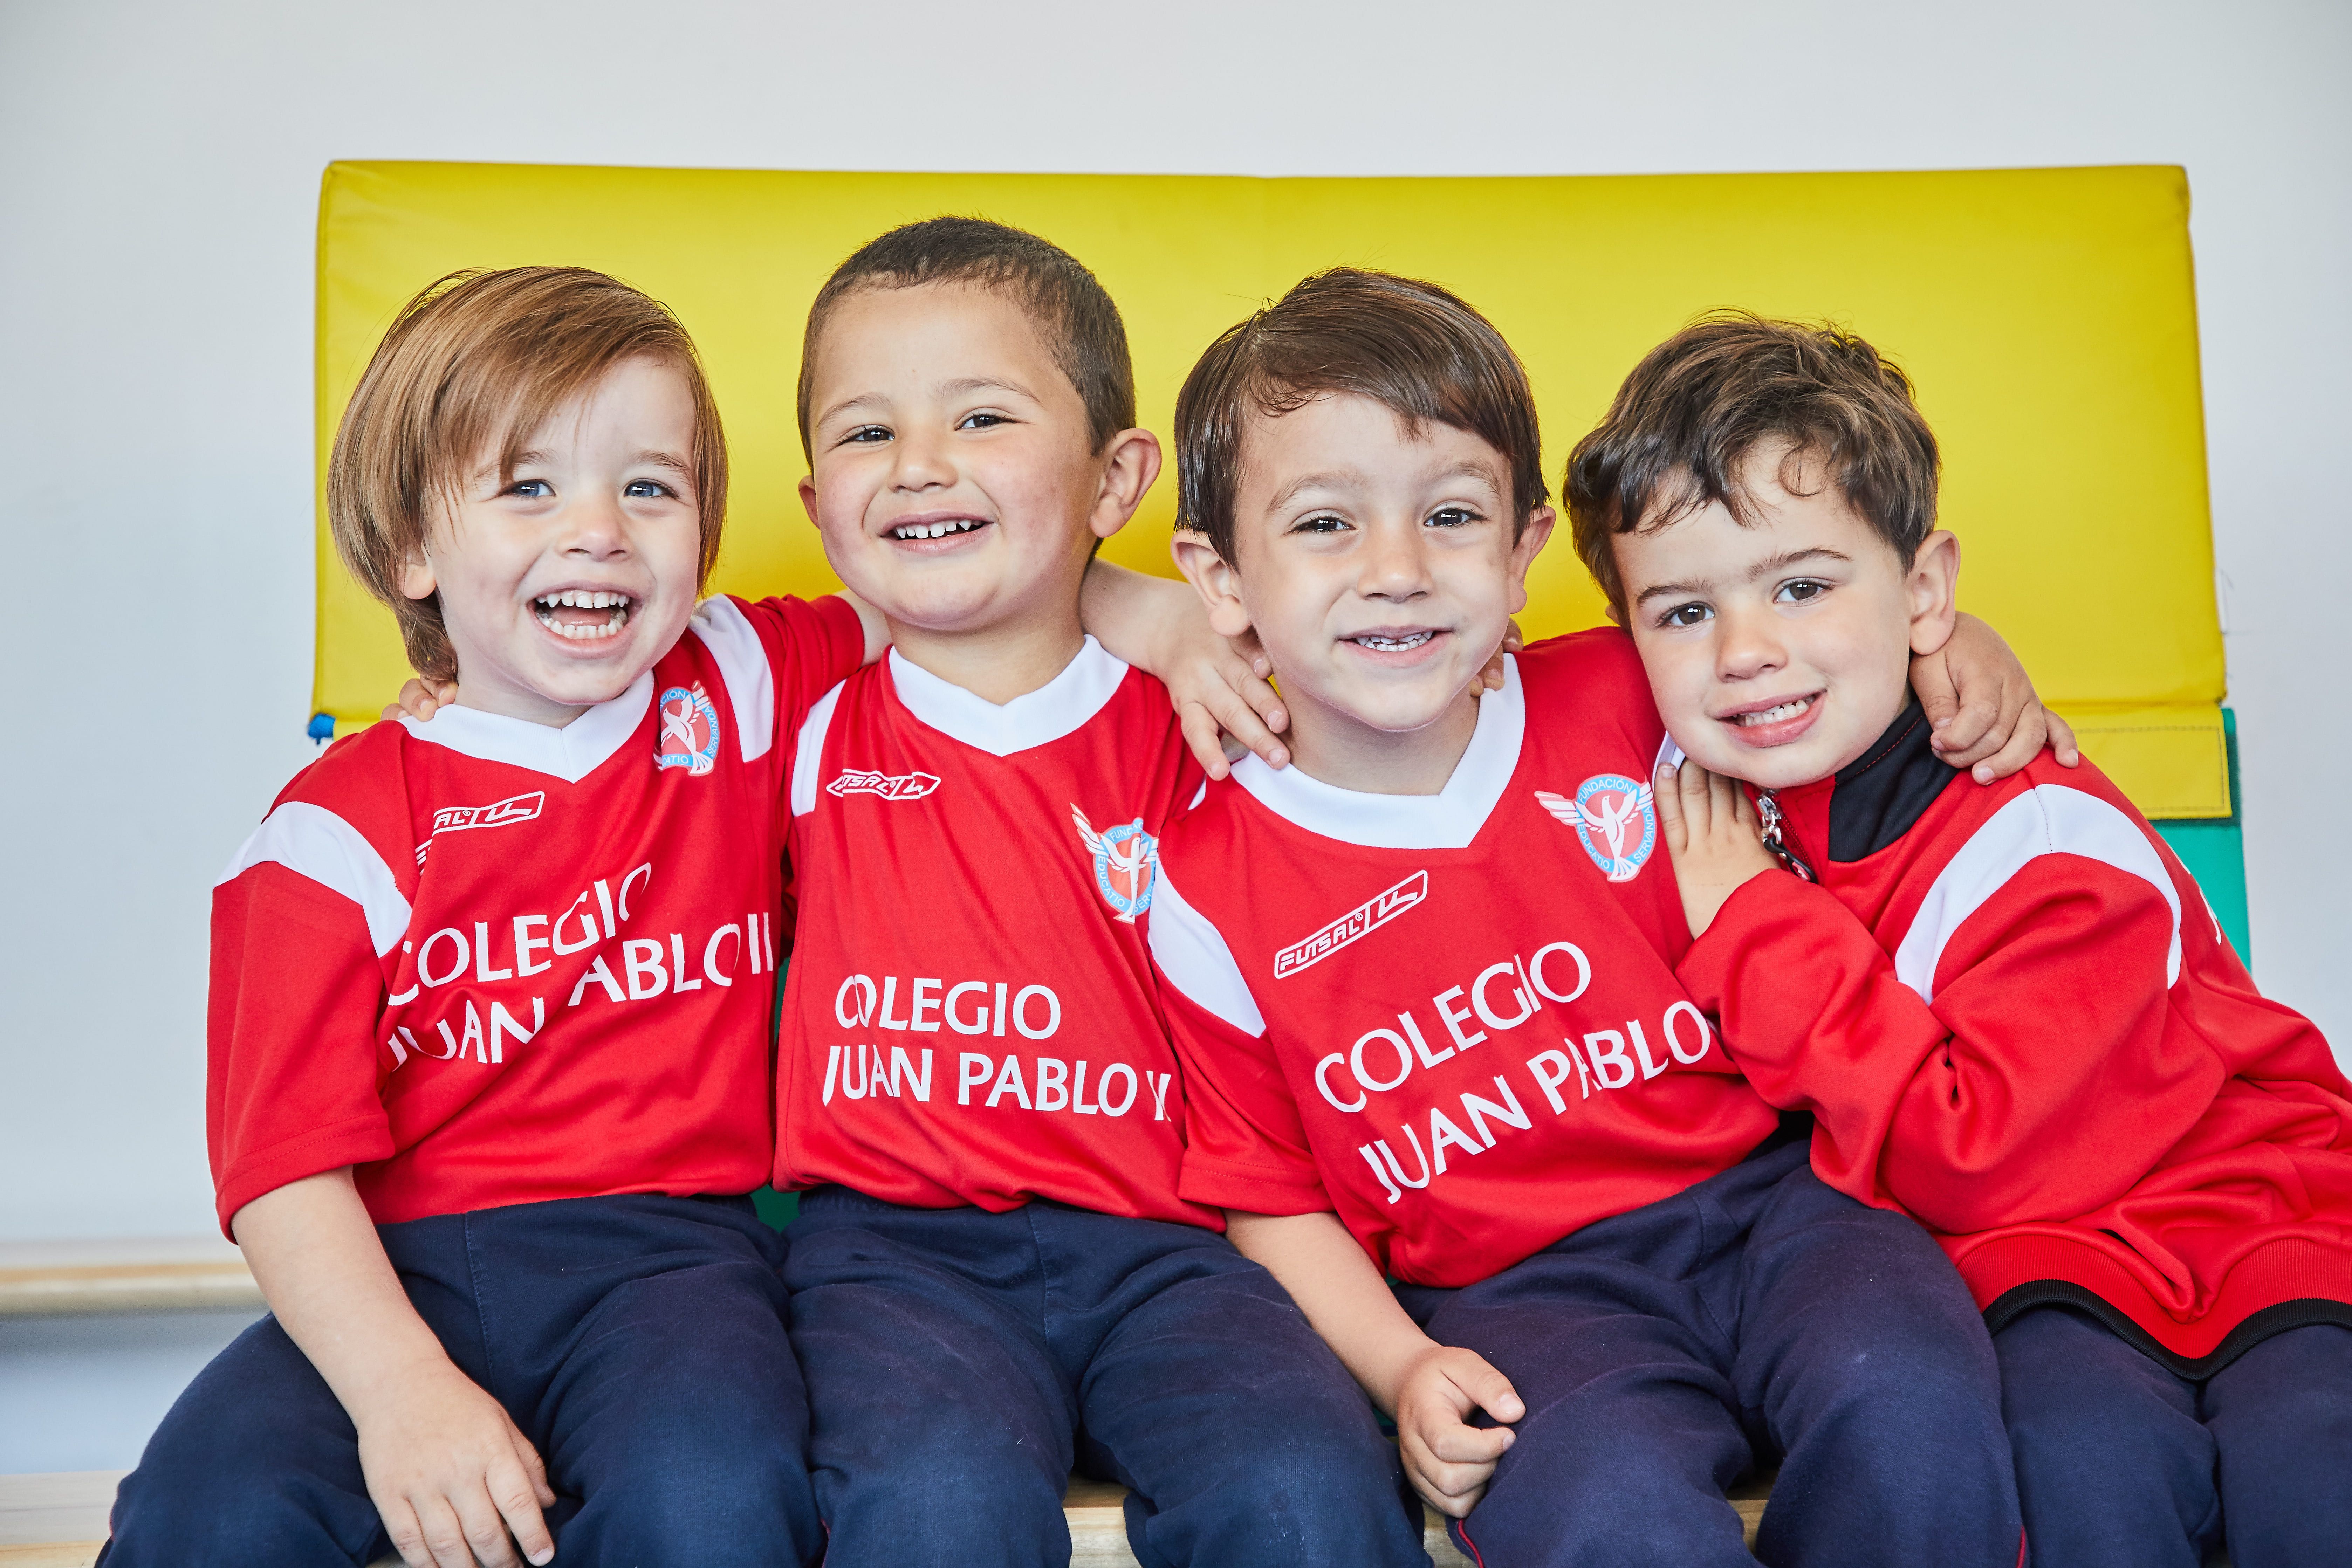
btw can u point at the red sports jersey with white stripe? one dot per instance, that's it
(490, 962)
(970, 1017)
(1450, 1018)
(2018, 1021)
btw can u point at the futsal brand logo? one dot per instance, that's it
(497, 814)
(1357, 923)
(690, 731)
(889, 786)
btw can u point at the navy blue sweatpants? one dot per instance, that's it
(639, 1341)
(2122, 1461)
(1660, 1352)
(961, 1364)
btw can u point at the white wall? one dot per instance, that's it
(159, 167)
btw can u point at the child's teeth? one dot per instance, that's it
(1775, 714)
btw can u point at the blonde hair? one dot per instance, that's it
(480, 357)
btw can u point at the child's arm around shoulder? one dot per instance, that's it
(445, 1466)
(1430, 1388)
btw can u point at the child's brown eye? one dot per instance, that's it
(1797, 592)
(1685, 615)
(866, 434)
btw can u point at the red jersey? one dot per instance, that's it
(490, 962)
(1453, 1019)
(2017, 1021)
(969, 1015)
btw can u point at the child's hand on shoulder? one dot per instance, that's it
(1711, 830)
(420, 699)
(1448, 1460)
(1220, 687)
(453, 1478)
(1983, 706)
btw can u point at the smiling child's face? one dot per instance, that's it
(1780, 649)
(952, 476)
(1378, 566)
(562, 582)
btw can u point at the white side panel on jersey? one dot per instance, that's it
(808, 756)
(1448, 820)
(1191, 953)
(2047, 820)
(727, 632)
(312, 841)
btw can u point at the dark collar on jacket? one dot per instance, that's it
(1885, 792)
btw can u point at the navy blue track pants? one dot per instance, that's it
(639, 1341)
(2121, 1461)
(961, 1364)
(1760, 1313)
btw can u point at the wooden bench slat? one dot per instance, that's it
(58, 1278)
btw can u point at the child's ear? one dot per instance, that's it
(808, 495)
(1524, 550)
(1931, 592)
(1218, 584)
(1131, 464)
(416, 579)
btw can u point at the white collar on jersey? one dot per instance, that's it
(1033, 718)
(571, 754)
(1448, 820)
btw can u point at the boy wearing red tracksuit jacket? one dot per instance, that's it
(2013, 1014)
(1423, 983)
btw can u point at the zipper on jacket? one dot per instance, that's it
(1768, 808)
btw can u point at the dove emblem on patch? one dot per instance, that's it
(1615, 819)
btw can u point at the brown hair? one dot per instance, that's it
(1698, 403)
(1072, 311)
(1412, 347)
(479, 357)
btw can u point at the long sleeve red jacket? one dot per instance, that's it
(2015, 1017)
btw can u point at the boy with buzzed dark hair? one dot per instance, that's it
(2010, 1008)
(994, 1276)
(1423, 983)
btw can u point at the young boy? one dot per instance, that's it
(489, 1077)
(994, 1276)
(1423, 986)
(2015, 1017)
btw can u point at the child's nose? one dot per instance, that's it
(597, 527)
(922, 462)
(1748, 646)
(1394, 564)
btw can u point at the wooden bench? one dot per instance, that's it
(188, 1273)
(60, 1521)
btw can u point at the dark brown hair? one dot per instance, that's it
(1411, 347)
(1073, 313)
(1698, 403)
(481, 357)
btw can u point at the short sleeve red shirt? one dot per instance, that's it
(1452, 1020)
(488, 962)
(970, 1016)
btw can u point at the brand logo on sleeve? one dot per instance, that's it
(690, 731)
(1357, 923)
(497, 814)
(889, 786)
(1126, 864)
(1615, 819)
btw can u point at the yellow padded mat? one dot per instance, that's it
(2047, 315)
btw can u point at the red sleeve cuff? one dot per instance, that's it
(354, 1141)
(1252, 1189)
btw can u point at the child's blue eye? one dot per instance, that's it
(1801, 591)
(646, 489)
(531, 489)
(1686, 615)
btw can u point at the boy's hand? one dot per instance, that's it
(1986, 715)
(1448, 1460)
(452, 1476)
(1490, 679)
(1711, 831)
(1220, 685)
(421, 699)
